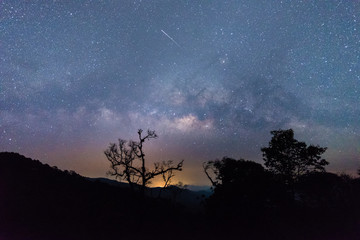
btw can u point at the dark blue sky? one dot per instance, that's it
(213, 78)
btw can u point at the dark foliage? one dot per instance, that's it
(246, 196)
(325, 190)
(241, 187)
(239, 181)
(290, 158)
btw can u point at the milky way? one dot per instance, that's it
(213, 78)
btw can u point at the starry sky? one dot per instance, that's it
(213, 78)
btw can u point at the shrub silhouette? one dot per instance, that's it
(325, 190)
(239, 186)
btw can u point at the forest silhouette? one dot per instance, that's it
(291, 196)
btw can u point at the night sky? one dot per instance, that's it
(213, 78)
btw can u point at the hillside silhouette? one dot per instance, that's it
(42, 202)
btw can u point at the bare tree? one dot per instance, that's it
(127, 161)
(166, 176)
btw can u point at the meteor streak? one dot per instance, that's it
(170, 38)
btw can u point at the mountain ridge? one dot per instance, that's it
(43, 202)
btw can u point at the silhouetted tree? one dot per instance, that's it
(128, 162)
(239, 186)
(230, 171)
(290, 158)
